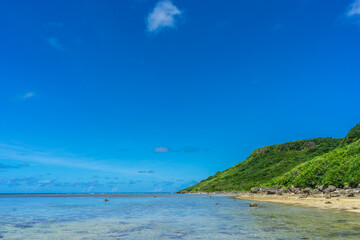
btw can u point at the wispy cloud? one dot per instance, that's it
(37, 182)
(354, 9)
(54, 42)
(134, 181)
(187, 149)
(28, 95)
(146, 172)
(161, 149)
(162, 16)
(3, 166)
(11, 152)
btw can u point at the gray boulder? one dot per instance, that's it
(326, 191)
(263, 189)
(331, 188)
(285, 190)
(351, 193)
(254, 190)
(279, 192)
(306, 190)
(270, 192)
(342, 192)
(297, 191)
(315, 191)
(321, 188)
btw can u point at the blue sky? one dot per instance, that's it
(148, 96)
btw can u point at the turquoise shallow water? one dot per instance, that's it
(167, 216)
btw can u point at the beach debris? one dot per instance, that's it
(327, 202)
(154, 196)
(253, 205)
(217, 203)
(106, 200)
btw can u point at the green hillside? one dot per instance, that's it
(302, 163)
(352, 136)
(338, 167)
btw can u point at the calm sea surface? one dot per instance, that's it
(166, 216)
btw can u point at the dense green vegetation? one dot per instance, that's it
(338, 167)
(303, 163)
(352, 136)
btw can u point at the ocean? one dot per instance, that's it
(165, 216)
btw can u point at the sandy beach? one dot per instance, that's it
(343, 204)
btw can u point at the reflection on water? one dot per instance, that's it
(168, 216)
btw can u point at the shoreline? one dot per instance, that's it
(321, 201)
(336, 203)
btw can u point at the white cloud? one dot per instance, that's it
(28, 95)
(161, 149)
(54, 42)
(354, 9)
(163, 16)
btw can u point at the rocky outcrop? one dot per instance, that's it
(320, 191)
(258, 151)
